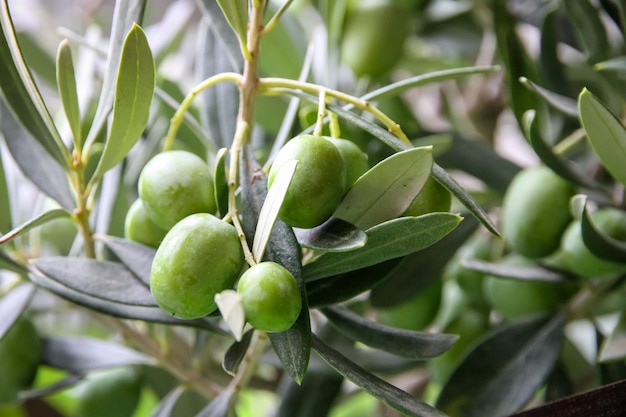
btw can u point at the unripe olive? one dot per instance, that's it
(353, 157)
(198, 258)
(535, 212)
(433, 197)
(373, 37)
(416, 313)
(578, 259)
(140, 228)
(318, 183)
(270, 296)
(114, 392)
(174, 185)
(514, 298)
(20, 354)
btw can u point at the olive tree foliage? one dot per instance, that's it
(509, 297)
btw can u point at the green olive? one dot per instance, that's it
(198, 258)
(373, 37)
(20, 354)
(578, 259)
(174, 185)
(535, 212)
(418, 312)
(138, 227)
(318, 183)
(433, 197)
(353, 157)
(270, 296)
(113, 392)
(515, 298)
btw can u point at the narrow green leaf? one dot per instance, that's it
(564, 104)
(221, 31)
(6, 222)
(231, 308)
(589, 27)
(615, 64)
(66, 83)
(387, 189)
(271, 207)
(334, 235)
(167, 404)
(601, 244)
(12, 304)
(528, 273)
(235, 353)
(221, 182)
(389, 240)
(614, 347)
(219, 406)
(385, 392)
(37, 164)
(10, 264)
(21, 94)
(550, 66)
(605, 132)
(504, 370)
(137, 257)
(101, 279)
(80, 354)
(314, 398)
(410, 344)
(37, 221)
(236, 13)
(133, 95)
(556, 163)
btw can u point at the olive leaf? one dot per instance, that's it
(599, 243)
(564, 104)
(512, 361)
(6, 223)
(410, 344)
(230, 306)
(80, 354)
(334, 235)
(605, 132)
(236, 352)
(591, 31)
(385, 392)
(387, 189)
(389, 240)
(12, 304)
(528, 273)
(10, 264)
(165, 408)
(221, 182)
(612, 348)
(43, 218)
(220, 406)
(315, 397)
(236, 13)
(133, 96)
(66, 83)
(21, 94)
(137, 257)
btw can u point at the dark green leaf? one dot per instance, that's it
(6, 223)
(126, 14)
(551, 68)
(166, 406)
(137, 257)
(12, 304)
(564, 104)
(589, 27)
(387, 189)
(236, 13)
(528, 273)
(43, 218)
(410, 344)
(220, 406)
(221, 182)
(334, 235)
(21, 94)
(418, 270)
(35, 161)
(235, 353)
(66, 83)
(389, 240)
(504, 370)
(605, 132)
(133, 96)
(342, 287)
(293, 346)
(556, 163)
(101, 279)
(10, 264)
(601, 244)
(80, 354)
(314, 398)
(385, 392)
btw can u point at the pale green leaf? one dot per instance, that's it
(236, 13)
(37, 221)
(221, 181)
(605, 132)
(66, 83)
(133, 96)
(231, 307)
(386, 190)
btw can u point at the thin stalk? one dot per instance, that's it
(321, 113)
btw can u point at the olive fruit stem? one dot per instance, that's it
(178, 117)
(274, 20)
(321, 112)
(268, 83)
